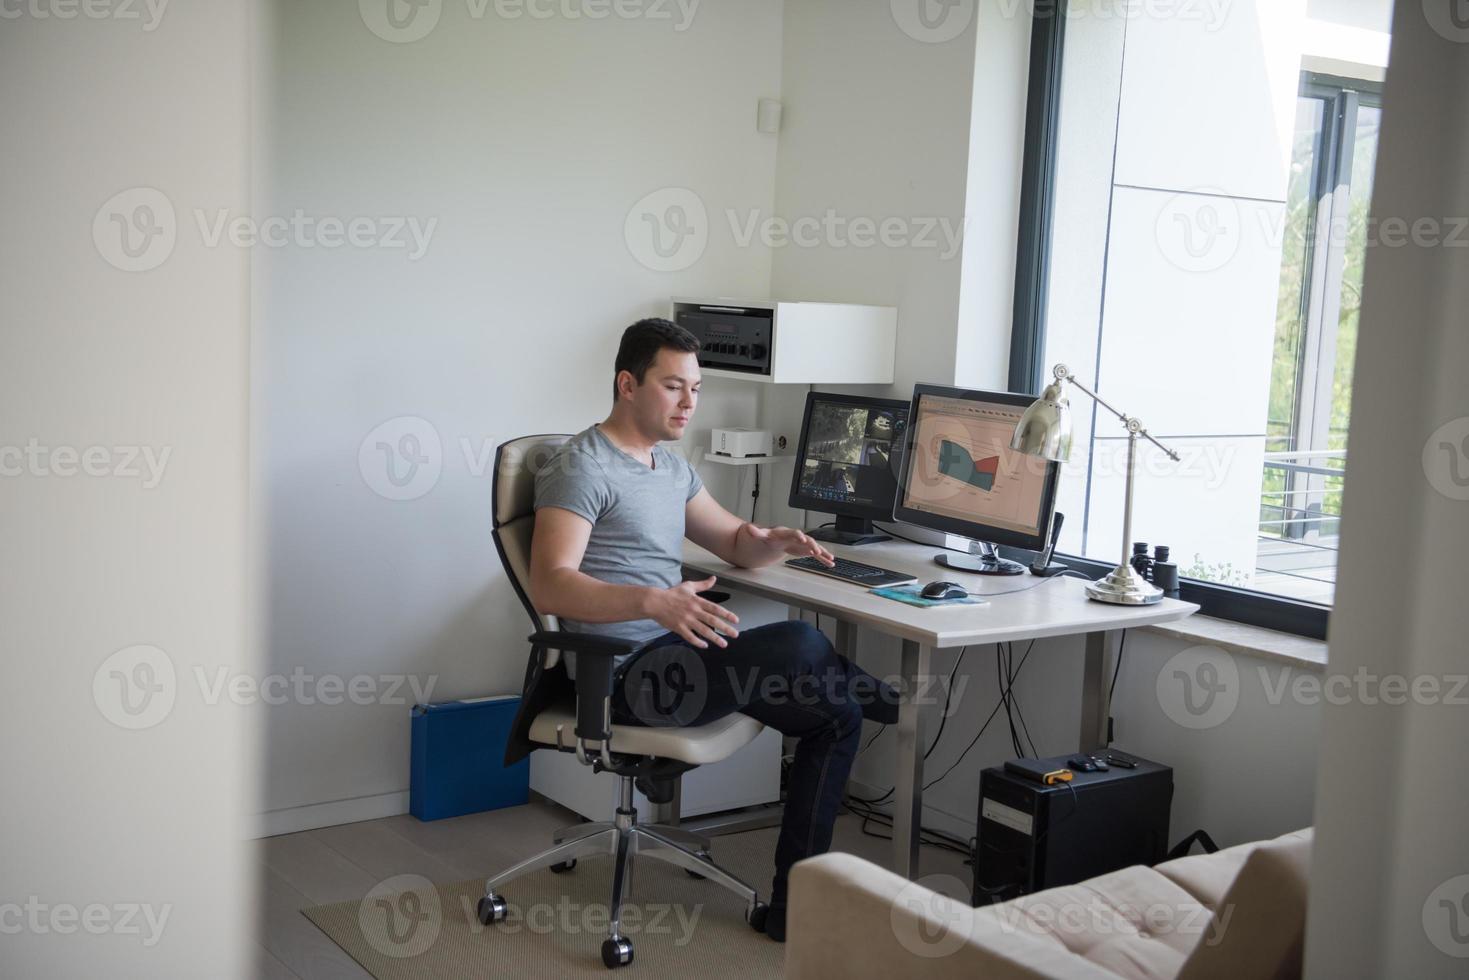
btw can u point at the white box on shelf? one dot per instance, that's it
(790, 342)
(738, 443)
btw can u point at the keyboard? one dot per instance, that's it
(855, 572)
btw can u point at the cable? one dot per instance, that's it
(982, 728)
(755, 496)
(927, 835)
(1116, 668)
(943, 719)
(880, 730)
(948, 693)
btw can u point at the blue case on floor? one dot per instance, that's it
(457, 767)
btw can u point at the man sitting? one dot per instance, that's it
(612, 509)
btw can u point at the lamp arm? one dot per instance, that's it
(1133, 424)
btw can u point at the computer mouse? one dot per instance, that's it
(944, 590)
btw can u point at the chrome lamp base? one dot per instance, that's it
(1124, 587)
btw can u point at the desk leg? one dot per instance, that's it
(908, 786)
(1094, 694)
(846, 640)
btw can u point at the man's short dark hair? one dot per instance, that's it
(641, 343)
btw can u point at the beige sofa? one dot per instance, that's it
(1238, 913)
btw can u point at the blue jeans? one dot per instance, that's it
(784, 675)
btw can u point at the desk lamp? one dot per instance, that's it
(1045, 431)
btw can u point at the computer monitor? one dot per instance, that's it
(847, 463)
(960, 476)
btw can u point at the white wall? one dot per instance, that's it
(530, 141)
(878, 123)
(1391, 860)
(124, 790)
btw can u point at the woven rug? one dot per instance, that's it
(408, 928)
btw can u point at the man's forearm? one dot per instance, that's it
(575, 595)
(749, 553)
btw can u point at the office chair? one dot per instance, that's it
(553, 703)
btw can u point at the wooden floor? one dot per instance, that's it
(342, 863)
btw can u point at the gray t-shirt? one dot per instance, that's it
(637, 516)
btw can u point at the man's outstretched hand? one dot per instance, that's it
(699, 621)
(788, 541)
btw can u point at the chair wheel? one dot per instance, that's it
(755, 915)
(561, 866)
(492, 908)
(616, 952)
(695, 874)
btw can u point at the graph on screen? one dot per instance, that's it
(956, 463)
(963, 466)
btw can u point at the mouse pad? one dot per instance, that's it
(912, 595)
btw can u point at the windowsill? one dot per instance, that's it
(1252, 641)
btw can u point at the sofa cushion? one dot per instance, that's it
(1208, 876)
(1260, 923)
(1134, 923)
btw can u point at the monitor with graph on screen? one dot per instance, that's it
(960, 475)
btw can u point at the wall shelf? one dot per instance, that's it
(744, 460)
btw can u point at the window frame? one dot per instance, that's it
(1027, 369)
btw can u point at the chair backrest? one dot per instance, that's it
(513, 503)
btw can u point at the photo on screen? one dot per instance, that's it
(836, 433)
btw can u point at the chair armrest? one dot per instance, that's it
(594, 664)
(849, 917)
(592, 644)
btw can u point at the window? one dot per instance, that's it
(1193, 229)
(1325, 242)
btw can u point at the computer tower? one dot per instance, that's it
(1032, 836)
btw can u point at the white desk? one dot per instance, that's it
(1054, 607)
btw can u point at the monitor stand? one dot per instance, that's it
(983, 559)
(849, 530)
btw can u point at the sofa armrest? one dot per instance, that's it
(850, 918)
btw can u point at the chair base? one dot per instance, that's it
(624, 839)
